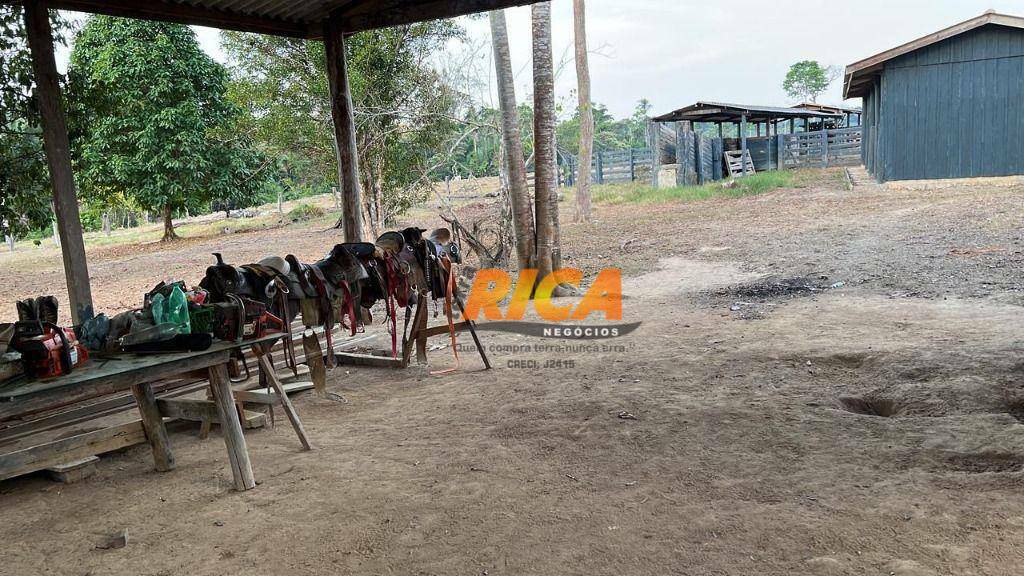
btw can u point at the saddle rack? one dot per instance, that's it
(421, 330)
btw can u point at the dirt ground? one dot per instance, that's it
(825, 382)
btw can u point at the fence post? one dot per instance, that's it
(717, 151)
(824, 146)
(600, 168)
(743, 143)
(654, 142)
(632, 165)
(780, 155)
(686, 173)
(698, 157)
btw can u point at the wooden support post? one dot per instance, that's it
(720, 130)
(289, 409)
(654, 142)
(682, 154)
(743, 142)
(632, 166)
(768, 143)
(153, 423)
(472, 330)
(231, 428)
(58, 158)
(698, 158)
(600, 168)
(344, 128)
(780, 154)
(717, 150)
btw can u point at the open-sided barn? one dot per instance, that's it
(949, 105)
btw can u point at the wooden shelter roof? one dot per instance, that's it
(722, 112)
(860, 76)
(292, 18)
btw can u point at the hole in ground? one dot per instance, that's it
(882, 407)
(986, 462)
(1014, 404)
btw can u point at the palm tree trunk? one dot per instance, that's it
(545, 175)
(519, 191)
(583, 209)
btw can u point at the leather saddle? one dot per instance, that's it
(257, 282)
(427, 258)
(222, 279)
(445, 246)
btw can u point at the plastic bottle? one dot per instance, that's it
(158, 307)
(177, 310)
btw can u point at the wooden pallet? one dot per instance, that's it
(735, 160)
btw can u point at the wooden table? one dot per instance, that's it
(137, 373)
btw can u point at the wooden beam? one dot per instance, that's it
(153, 422)
(258, 397)
(231, 428)
(282, 396)
(369, 360)
(188, 409)
(743, 142)
(58, 158)
(70, 449)
(344, 130)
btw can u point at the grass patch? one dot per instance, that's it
(304, 212)
(636, 193)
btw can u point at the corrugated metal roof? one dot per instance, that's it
(295, 18)
(861, 75)
(725, 112)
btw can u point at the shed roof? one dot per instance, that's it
(828, 108)
(293, 18)
(723, 112)
(861, 75)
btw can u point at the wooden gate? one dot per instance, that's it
(840, 147)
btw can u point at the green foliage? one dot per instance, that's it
(151, 121)
(24, 181)
(609, 133)
(636, 193)
(806, 80)
(405, 111)
(479, 153)
(304, 212)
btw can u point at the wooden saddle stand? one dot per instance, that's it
(421, 329)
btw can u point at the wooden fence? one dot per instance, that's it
(840, 147)
(699, 159)
(606, 167)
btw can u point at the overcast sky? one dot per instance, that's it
(676, 52)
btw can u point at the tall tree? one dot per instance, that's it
(583, 211)
(545, 163)
(518, 188)
(151, 119)
(25, 192)
(806, 80)
(404, 108)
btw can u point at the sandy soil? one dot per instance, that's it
(825, 382)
